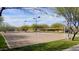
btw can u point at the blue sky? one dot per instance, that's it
(16, 17)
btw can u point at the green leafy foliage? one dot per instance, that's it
(57, 26)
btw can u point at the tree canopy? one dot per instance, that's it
(71, 14)
(57, 26)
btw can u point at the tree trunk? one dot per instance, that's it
(74, 36)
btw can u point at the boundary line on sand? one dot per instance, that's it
(5, 40)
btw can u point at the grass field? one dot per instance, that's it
(2, 42)
(50, 46)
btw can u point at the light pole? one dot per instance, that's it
(35, 18)
(36, 22)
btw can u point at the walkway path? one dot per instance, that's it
(74, 48)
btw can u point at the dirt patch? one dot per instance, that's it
(23, 39)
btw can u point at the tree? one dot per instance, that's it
(6, 27)
(24, 28)
(71, 14)
(42, 27)
(34, 27)
(57, 25)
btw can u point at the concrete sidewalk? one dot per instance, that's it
(74, 48)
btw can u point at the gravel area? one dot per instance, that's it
(23, 39)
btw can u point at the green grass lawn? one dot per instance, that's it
(2, 42)
(50, 46)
